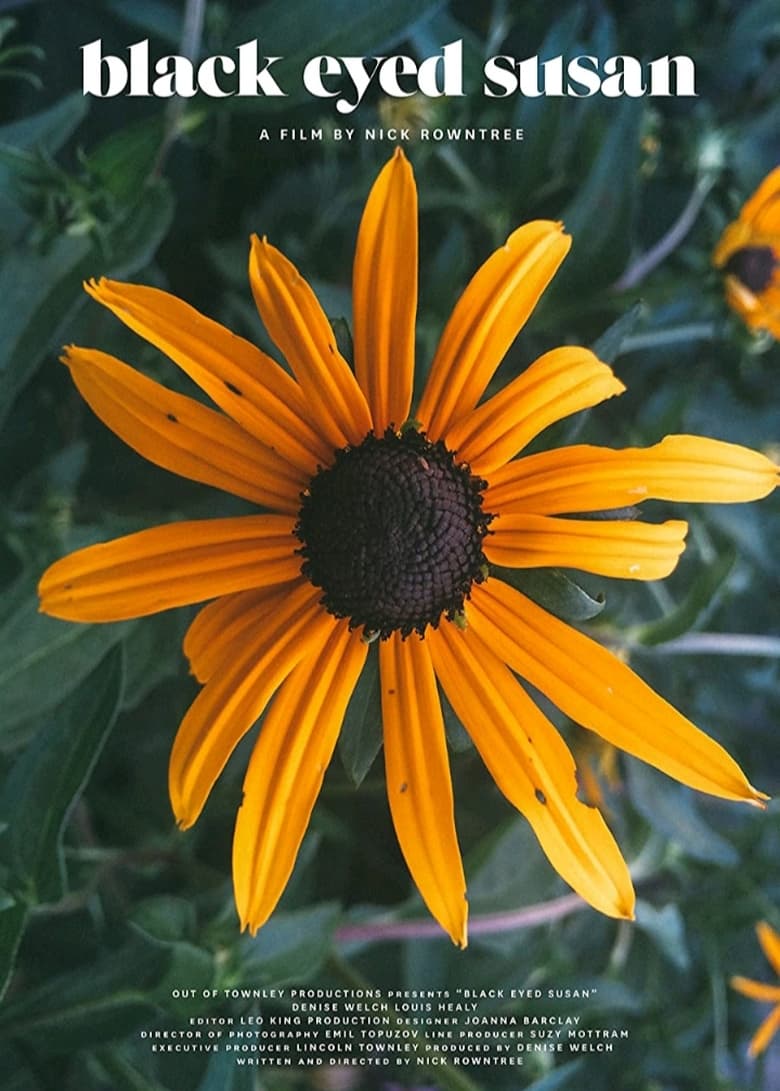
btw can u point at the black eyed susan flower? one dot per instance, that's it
(748, 252)
(382, 526)
(757, 990)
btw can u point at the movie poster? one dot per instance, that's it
(388, 567)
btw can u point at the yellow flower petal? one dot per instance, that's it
(621, 548)
(384, 294)
(220, 625)
(561, 382)
(172, 565)
(300, 329)
(182, 435)
(582, 479)
(419, 787)
(770, 944)
(592, 686)
(756, 990)
(235, 696)
(486, 319)
(532, 766)
(286, 771)
(765, 1033)
(243, 381)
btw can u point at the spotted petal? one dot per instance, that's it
(236, 695)
(243, 381)
(600, 692)
(182, 435)
(583, 478)
(172, 565)
(419, 787)
(622, 549)
(532, 766)
(286, 771)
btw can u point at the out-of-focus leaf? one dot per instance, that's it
(43, 659)
(553, 590)
(47, 130)
(341, 27)
(290, 948)
(599, 216)
(700, 599)
(105, 1000)
(670, 809)
(41, 291)
(361, 733)
(553, 1081)
(13, 919)
(666, 929)
(152, 16)
(223, 1074)
(607, 347)
(125, 160)
(152, 654)
(48, 778)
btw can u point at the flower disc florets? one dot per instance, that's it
(754, 266)
(392, 532)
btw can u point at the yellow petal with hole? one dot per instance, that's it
(419, 786)
(172, 565)
(286, 771)
(488, 316)
(384, 294)
(532, 766)
(181, 435)
(243, 381)
(582, 478)
(237, 693)
(299, 328)
(597, 690)
(622, 549)
(562, 382)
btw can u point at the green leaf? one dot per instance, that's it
(599, 217)
(361, 733)
(223, 1074)
(105, 1000)
(341, 27)
(43, 659)
(153, 653)
(125, 160)
(556, 592)
(557, 1079)
(701, 598)
(290, 948)
(47, 130)
(607, 347)
(152, 16)
(47, 779)
(13, 919)
(670, 808)
(666, 929)
(40, 291)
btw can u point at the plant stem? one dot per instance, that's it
(645, 263)
(672, 335)
(479, 925)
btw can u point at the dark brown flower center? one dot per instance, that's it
(754, 266)
(392, 532)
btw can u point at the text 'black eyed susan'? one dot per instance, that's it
(384, 526)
